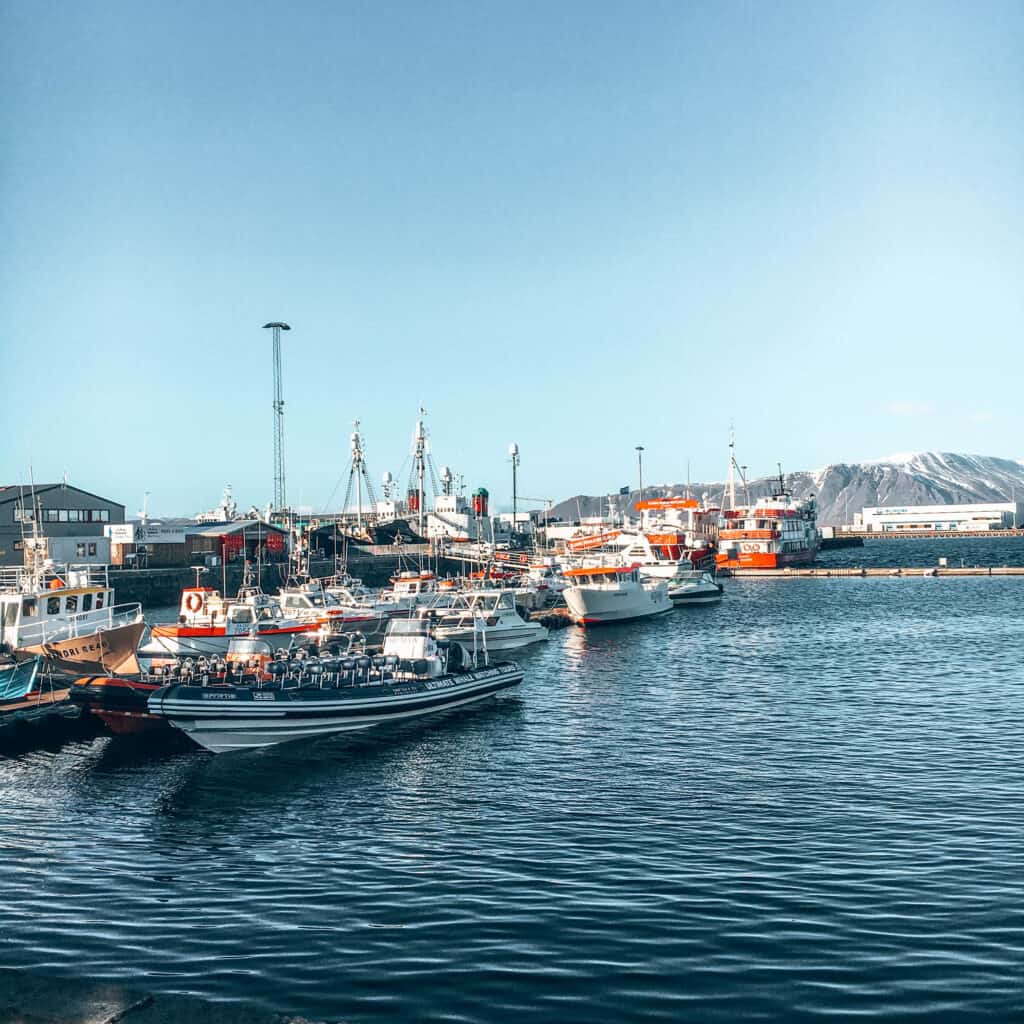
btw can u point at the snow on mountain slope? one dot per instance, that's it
(911, 478)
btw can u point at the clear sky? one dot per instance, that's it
(579, 226)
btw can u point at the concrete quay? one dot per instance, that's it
(821, 572)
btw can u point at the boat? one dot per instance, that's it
(772, 533)
(66, 614)
(207, 622)
(694, 588)
(18, 678)
(121, 702)
(604, 592)
(319, 696)
(489, 616)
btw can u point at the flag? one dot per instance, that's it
(624, 490)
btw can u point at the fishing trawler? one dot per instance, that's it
(304, 699)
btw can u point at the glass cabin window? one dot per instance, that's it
(99, 601)
(29, 608)
(10, 613)
(87, 602)
(53, 606)
(71, 604)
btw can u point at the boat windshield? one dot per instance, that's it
(409, 627)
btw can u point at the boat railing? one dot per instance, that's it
(54, 574)
(71, 627)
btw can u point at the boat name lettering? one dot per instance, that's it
(262, 696)
(218, 696)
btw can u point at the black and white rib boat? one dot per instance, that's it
(302, 698)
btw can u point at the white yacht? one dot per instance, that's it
(694, 588)
(603, 592)
(491, 616)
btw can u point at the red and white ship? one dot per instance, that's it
(772, 533)
(207, 622)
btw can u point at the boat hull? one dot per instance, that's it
(108, 650)
(224, 719)
(505, 638)
(120, 703)
(592, 606)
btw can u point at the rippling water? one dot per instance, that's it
(804, 801)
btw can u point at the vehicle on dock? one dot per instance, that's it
(606, 592)
(319, 696)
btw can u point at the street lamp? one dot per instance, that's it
(513, 450)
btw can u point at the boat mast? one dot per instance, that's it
(421, 444)
(357, 468)
(732, 467)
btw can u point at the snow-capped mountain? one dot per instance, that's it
(915, 478)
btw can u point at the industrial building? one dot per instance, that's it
(995, 515)
(71, 522)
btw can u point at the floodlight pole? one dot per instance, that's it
(279, 491)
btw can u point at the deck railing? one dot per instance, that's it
(82, 624)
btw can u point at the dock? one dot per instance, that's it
(821, 571)
(36, 715)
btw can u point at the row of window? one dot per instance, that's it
(64, 515)
(29, 607)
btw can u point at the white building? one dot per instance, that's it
(453, 517)
(996, 515)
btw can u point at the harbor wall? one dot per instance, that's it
(161, 587)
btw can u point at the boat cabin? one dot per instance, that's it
(63, 605)
(603, 576)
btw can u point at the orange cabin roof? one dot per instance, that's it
(603, 570)
(653, 504)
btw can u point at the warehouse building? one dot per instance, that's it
(995, 515)
(71, 522)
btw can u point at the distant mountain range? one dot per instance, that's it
(917, 478)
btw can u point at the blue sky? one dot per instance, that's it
(579, 226)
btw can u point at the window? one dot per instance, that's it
(87, 602)
(71, 604)
(92, 549)
(50, 515)
(29, 608)
(99, 601)
(23, 515)
(104, 516)
(73, 515)
(80, 551)
(53, 606)
(10, 613)
(62, 515)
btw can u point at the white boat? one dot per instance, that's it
(311, 601)
(491, 617)
(207, 622)
(66, 613)
(694, 588)
(314, 697)
(603, 593)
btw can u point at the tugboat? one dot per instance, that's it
(318, 696)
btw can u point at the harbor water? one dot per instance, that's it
(805, 801)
